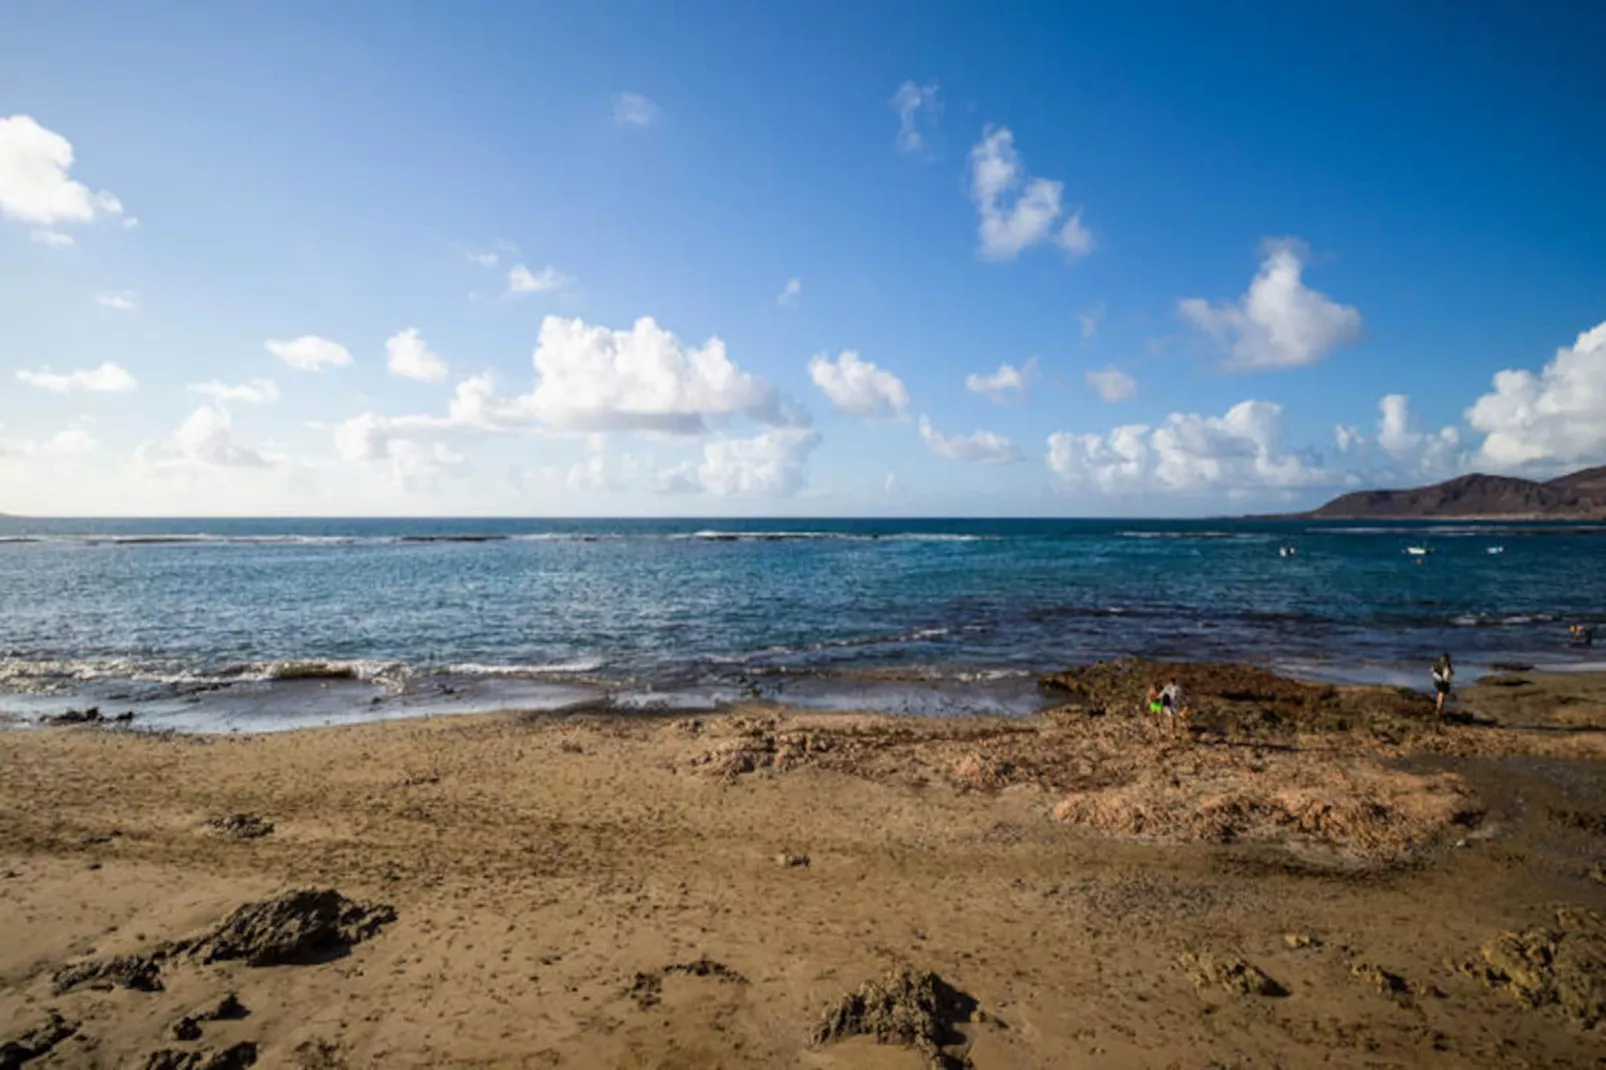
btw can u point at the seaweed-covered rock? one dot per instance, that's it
(1385, 982)
(304, 925)
(36, 1042)
(1562, 965)
(228, 1008)
(142, 973)
(915, 1008)
(1241, 699)
(240, 826)
(235, 1057)
(1229, 973)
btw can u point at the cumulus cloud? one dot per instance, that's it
(1017, 212)
(634, 110)
(1280, 322)
(56, 238)
(255, 392)
(122, 300)
(370, 439)
(310, 353)
(1553, 419)
(770, 464)
(72, 442)
(521, 280)
(406, 355)
(789, 294)
(918, 110)
(1240, 451)
(109, 378)
(1112, 384)
(858, 386)
(1008, 383)
(206, 437)
(982, 447)
(644, 378)
(34, 182)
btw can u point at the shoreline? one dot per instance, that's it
(1324, 874)
(297, 695)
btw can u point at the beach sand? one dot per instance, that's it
(1322, 878)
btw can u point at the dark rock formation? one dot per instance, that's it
(306, 925)
(142, 973)
(36, 1042)
(915, 1008)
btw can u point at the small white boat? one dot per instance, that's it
(1285, 551)
(1495, 550)
(1418, 551)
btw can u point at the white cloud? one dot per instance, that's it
(484, 259)
(521, 280)
(368, 439)
(1555, 418)
(918, 112)
(72, 442)
(1112, 383)
(109, 378)
(34, 184)
(1280, 322)
(634, 110)
(1075, 238)
(408, 356)
(858, 386)
(1008, 383)
(789, 294)
(590, 474)
(644, 378)
(772, 463)
(1240, 451)
(1402, 451)
(54, 238)
(1418, 452)
(206, 437)
(309, 353)
(130, 222)
(255, 392)
(996, 174)
(984, 447)
(122, 300)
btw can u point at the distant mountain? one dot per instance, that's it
(1579, 496)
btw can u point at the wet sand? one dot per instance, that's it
(1321, 876)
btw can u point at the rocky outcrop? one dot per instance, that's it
(914, 1008)
(1579, 496)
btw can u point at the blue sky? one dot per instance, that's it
(1416, 188)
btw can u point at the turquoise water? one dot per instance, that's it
(647, 610)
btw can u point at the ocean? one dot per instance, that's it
(242, 625)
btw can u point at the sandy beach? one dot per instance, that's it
(1322, 876)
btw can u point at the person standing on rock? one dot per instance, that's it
(1171, 704)
(1443, 673)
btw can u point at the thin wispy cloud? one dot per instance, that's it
(919, 110)
(632, 110)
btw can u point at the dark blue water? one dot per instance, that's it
(664, 606)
